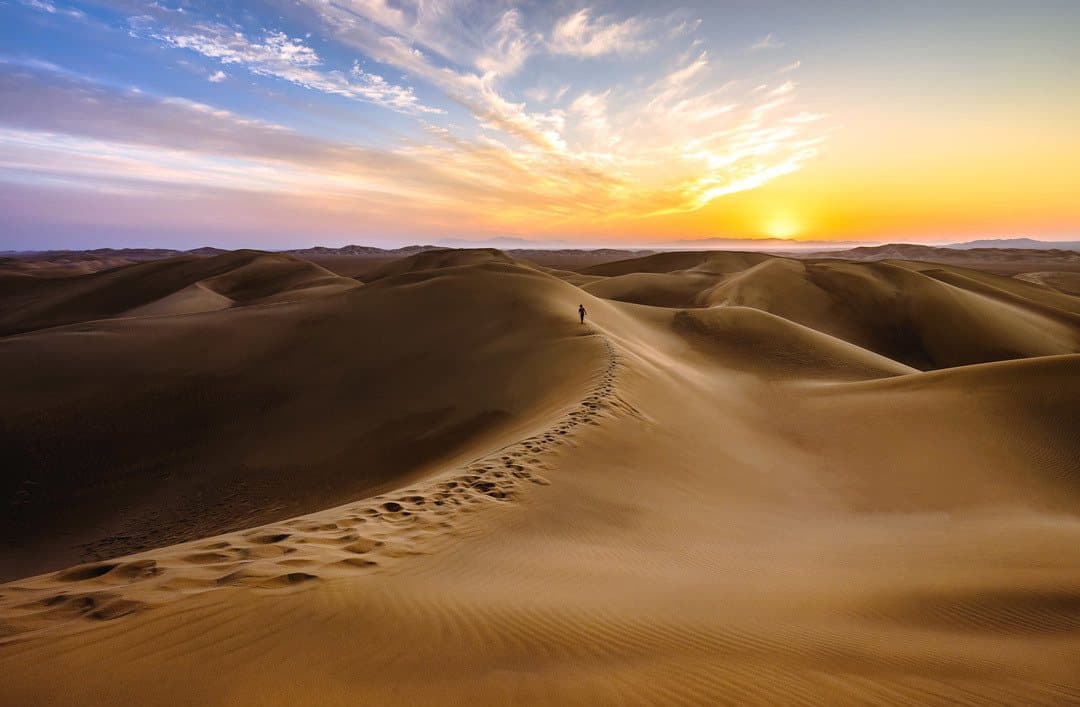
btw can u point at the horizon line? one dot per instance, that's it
(512, 243)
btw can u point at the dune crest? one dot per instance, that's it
(358, 536)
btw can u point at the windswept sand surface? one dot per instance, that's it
(745, 479)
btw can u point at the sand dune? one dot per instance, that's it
(756, 341)
(441, 258)
(1002, 260)
(171, 428)
(1067, 283)
(927, 317)
(174, 286)
(1015, 290)
(729, 486)
(713, 262)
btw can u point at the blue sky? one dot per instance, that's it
(279, 124)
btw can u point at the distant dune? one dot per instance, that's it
(246, 478)
(1067, 283)
(1003, 259)
(349, 261)
(925, 317)
(182, 285)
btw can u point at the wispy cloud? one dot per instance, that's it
(684, 27)
(509, 47)
(541, 94)
(217, 77)
(769, 41)
(278, 55)
(581, 34)
(53, 9)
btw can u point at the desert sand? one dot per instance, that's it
(249, 479)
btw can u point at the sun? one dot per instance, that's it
(782, 227)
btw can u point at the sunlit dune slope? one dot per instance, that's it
(995, 434)
(753, 340)
(173, 286)
(169, 428)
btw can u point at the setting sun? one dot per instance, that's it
(782, 227)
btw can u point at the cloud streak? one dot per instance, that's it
(582, 35)
(52, 9)
(278, 55)
(769, 41)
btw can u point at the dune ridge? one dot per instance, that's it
(194, 425)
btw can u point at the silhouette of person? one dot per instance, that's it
(581, 312)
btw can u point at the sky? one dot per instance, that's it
(293, 123)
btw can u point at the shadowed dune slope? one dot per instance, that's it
(179, 285)
(169, 428)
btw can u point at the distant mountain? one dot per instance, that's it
(1029, 243)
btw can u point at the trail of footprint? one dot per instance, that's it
(362, 536)
(430, 509)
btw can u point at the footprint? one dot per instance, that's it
(363, 546)
(271, 538)
(357, 562)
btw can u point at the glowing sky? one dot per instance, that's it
(291, 123)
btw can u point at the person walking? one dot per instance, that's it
(581, 312)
